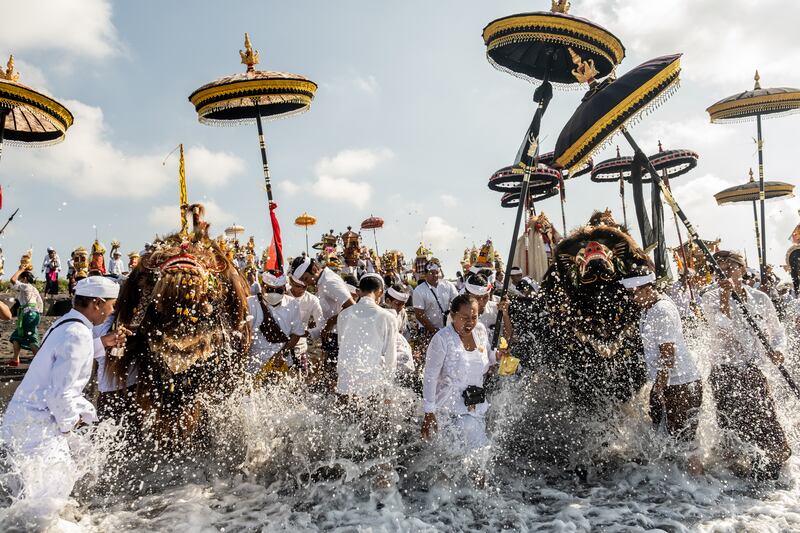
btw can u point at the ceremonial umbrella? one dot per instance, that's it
(745, 106)
(374, 223)
(617, 169)
(511, 199)
(246, 98)
(550, 47)
(609, 108)
(234, 231)
(305, 220)
(28, 117)
(751, 192)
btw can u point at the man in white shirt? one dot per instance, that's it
(116, 267)
(367, 344)
(334, 297)
(276, 327)
(50, 268)
(395, 300)
(431, 300)
(310, 317)
(677, 392)
(741, 393)
(48, 404)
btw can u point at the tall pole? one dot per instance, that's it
(375, 235)
(761, 198)
(263, 145)
(755, 223)
(306, 228)
(712, 262)
(3, 114)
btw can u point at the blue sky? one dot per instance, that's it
(408, 123)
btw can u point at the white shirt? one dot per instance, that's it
(25, 293)
(105, 383)
(661, 324)
(310, 310)
(683, 299)
(286, 314)
(423, 299)
(367, 349)
(116, 267)
(737, 343)
(332, 292)
(489, 316)
(51, 393)
(49, 264)
(450, 369)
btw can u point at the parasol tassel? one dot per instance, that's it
(277, 242)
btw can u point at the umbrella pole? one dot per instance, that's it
(375, 235)
(542, 95)
(711, 260)
(306, 228)
(267, 180)
(758, 233)
(622, 197)
(687, 283)
(761, 198)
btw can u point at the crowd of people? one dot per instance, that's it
(360, 330)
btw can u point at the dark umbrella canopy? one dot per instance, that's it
(746, 105)
(674, 162)
(613, 104)
(31, 118)
(372, 222)
(509, 179)
(609, 171)
(540, 45)
(749, 192)
(511, 199)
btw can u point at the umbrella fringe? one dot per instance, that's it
(537, 82)
(247, 121)
(740, 120)
(664, 95)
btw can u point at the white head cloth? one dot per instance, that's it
(301, 269)
(397, 295)
(273, 280)
(639, 281)
(477, 290)
(432, 267)
(515, 271)
(97, 287)
(297, 281)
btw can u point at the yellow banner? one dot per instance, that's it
(184, 201)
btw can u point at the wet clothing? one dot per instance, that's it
(310, 312)
(745, 407)
(661, 324)
(105, 382)
(367, 349)
(47, 405)
(26, 332)
(680, 411)
(286, 315)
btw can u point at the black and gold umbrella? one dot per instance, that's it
(248, 97)
(28, 117)
(750, 105)
(511, 199)
(548, 47)
(611, 107)
(751, 192)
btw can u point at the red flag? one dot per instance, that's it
(271, 262)
(276, 247)
(1, 197)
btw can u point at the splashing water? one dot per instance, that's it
(287, 457)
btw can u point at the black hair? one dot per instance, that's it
(524, 285)
(27, 276)
(794, 270)
(369, 284)
(397, 287)
(297, 261)
(350, 280)
(82, 302)
(478, 279)
(461, 300)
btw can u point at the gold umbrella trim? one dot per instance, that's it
(765, 104)
(13, 95)
(750, 193)
(663, 84)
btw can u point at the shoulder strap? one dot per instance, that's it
(444, 314)
(269, 326)
(58, 325)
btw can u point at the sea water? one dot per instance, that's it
(287, 458)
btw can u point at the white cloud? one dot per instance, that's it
(351, 162)
(448, 200)
(289, 188)
(211, 169)
(441, 235)
(165, 219)
(725, 40)
(89, 158)
(343, 189)
(79, 27)
(367, 84)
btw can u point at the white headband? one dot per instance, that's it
(297, 281)
(640, 281)
(477, 290)
(432, 267)
(351, 288)
(372, 275)
(301, 268)
(272, 280)
(515, 271)
(397, 295)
